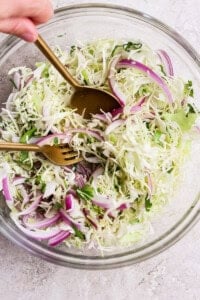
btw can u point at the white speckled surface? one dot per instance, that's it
(174, 274)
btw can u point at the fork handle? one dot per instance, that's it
(19, 146)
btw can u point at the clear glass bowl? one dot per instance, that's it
(82, 23)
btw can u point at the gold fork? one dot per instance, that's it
(60, 154)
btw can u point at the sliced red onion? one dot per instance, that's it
(24, 194)
(66, 218)
(112, 214)
(149, 116)
(123, 206)
(93, 133)
(166, 61)
(113, 126)
(89, 218)
(25, 220)
(72, 192)
(113, 85)
(7, 189)
(68, 169)
(129, 63)
(65, 137)
(117, 112)
(105, 117)
(59, 238)
(197, 128)
(80, 180)
(28, 80)
(102, 201)
(84, 168)
(138, 105)
(18, 180)
(34, 140)
(42, 224)
(31, 207)
(101, 117)
(69, 202)
(38, 234)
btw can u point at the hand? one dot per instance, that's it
(20, 17)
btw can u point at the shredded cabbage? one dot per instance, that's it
(131, 160)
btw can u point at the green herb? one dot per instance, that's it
(147, 125)
(23, 156)
(27, 135)
(85, 77)
(133, 210)
(78, 233)
(38, 179)
(144, 90)
(55, 141)
(98, 210)
(45, 72)
(73, 48)
(86, 193)
(24, 161)
(148, 203)
(132, 46)
(91, 51)
(113, 138)
(191, 109)
(162, 69)
(157, 136)
(43, 186)
(170, 170)
(57, 206)
(188, 89)
(41, 183)
(127, 47)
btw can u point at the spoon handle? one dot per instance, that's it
(48, 53)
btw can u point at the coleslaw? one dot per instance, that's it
(132, 156)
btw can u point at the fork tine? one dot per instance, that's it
(61, 156)
(73, 161)
(65, 147)
(69, 155)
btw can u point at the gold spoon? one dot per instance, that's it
(88, 99)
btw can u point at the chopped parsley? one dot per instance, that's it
(188, 89)
(86, 193)
(127, 47)
(148, 203)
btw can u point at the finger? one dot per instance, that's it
(39, 11)
(21, 27)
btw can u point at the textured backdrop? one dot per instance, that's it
(174, 274)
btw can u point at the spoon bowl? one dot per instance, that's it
(87, 100)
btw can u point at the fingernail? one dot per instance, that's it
(29, 37)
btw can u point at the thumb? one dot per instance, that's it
(21, 27)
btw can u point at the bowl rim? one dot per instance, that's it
(188, 220)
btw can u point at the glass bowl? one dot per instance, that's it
(82, 23)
